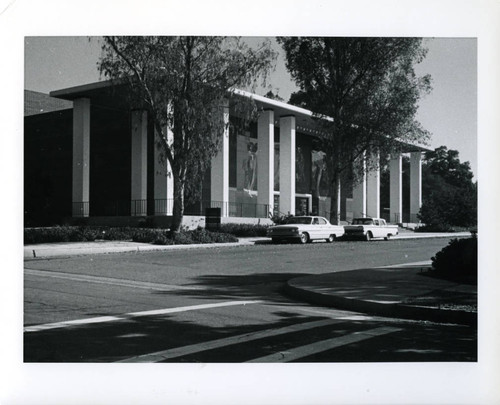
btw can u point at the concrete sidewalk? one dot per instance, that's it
(48, 250)
(65, 249)
(403, 291)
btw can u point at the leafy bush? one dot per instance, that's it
(148, 235)
(458, 260)
(243, 230)
(435, 228)
(162, 239)
(182, 238)
(59, 234)
(220, 237)
(449, 207)
(143, 235)
(279, 219)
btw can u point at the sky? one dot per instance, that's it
(449, 112)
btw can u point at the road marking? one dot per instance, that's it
(107, 280)
(324, 345)
(102, 319)
(215, 344)
(423, 263)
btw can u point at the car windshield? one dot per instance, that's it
(299, 220)
(362, 221)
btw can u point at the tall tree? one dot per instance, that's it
(365, 93)
(184, 83)
(449, 195)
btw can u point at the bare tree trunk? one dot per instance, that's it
(335, 197)
(178, 209)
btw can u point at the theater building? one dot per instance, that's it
(90, 158)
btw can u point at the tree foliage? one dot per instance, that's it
(366, 91)
(449, 193)
(184, 83)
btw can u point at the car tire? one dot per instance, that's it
(388, 237)
(331, 238)
(304, 238)
(368, 236)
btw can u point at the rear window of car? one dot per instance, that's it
(362, 221)
(299, 220)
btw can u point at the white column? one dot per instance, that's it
(359, 190)
(163, 179)
(396, 188)
(139, 159)
(81, 157)
(287, 165)
(219, 173)
(265, 160)
(373, 189)
(415, 185)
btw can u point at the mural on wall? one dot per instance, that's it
(276, 167)
(247, 149)
(249, 166)
(318, 173)
(301, 183)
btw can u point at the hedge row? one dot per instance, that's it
(457, 260)
(242, 230)
(145, 235)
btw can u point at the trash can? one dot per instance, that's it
(212, 219)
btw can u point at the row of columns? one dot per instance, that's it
(265, 163)
(163, 181)
(366, 195)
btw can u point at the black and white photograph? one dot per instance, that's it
(192, 198)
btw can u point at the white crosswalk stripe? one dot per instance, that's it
(215, 344)
(154, 312)
(322, 346)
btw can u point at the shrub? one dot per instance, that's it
(125, 233)
(242, 230)
(143, 235)
(147, 235)
(458, 260)
(213, 237)
(162, 239)
(279, 219)
(449, 207)
(435, 228)
(201, 235)
(182, 238)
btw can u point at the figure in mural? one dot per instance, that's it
(318, 167)
(250, 166)
(277, 166)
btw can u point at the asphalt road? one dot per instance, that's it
(222, 305)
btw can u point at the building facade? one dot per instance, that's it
(271, 166)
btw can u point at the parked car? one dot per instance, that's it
(305, 229)
(369, 228)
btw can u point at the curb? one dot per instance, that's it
(386, 310)
(31, 252)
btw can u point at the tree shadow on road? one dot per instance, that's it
(259, 286)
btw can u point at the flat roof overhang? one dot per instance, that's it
(113, 95)
(106, 94)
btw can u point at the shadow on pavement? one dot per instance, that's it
(122, 340)
(264, 286)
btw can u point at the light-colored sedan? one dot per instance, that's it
(306, 229)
